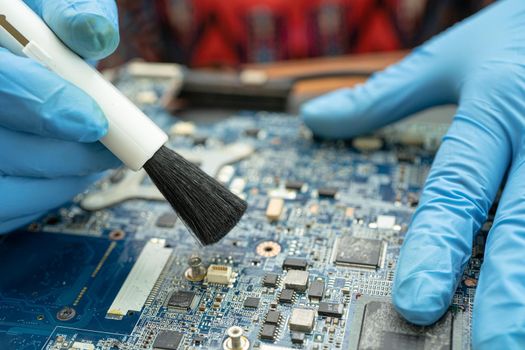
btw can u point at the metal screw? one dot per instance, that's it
(235, 334)
(196, 272)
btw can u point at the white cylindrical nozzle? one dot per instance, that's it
(132, 136)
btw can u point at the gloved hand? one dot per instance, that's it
(48, 127)
(479, 64)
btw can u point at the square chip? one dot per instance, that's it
(302, 320)
(167, 340)
(316, 290)
(270, 280)
(359, 252)
(286, 296)
(182, 300)
(272, 317)
(379, 326)
(166, 220)
(296, 280)
(251, 302)
(268, 332)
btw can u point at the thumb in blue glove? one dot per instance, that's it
(478, 64)
(48, 127)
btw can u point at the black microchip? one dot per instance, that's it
(181, 300)
(359, 252)
(251, 302)
(166, 220)
(272, 317)
(327, 192)
(253, 132)
(286, 296)
(331, 309)
(316, 289)
(167, 340)
(199, 339)
(380, 327)
(297, 337)
(295, 264)
(268, 331)
(294, 185)
(270, 280)
(199, 140)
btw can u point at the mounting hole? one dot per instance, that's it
(268, 249)
(66, 313)
(117, 235)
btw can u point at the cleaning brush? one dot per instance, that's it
(208, 209)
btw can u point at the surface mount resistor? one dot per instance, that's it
(274, 209)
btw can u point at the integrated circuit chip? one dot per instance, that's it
(297, 337)
(272, 317)
(294, 185)
(182, 300)
(286, 296)
(359, 252)
(166, 220)
(302, 320)
(251, 302)
(316, 289)
(329, 192)
(296, 280)
(268, 332)
(270, 280)
(379, 326)
(295, 264)
(167, 340)
(331, 309)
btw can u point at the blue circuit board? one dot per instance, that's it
(315, 202)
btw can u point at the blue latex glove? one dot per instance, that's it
(480, 65)
(48, 127)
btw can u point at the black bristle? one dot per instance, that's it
(207, 208)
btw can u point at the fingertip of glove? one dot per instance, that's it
(329, 115)
(96, 125)
(93, 36)
(419, 300)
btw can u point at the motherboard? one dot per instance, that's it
(310, 265)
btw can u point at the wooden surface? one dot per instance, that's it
(309, 88)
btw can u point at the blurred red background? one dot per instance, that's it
(230, 32)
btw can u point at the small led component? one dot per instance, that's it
(275, 209)
(219, 274)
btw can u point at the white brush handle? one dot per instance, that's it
(132, 136)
